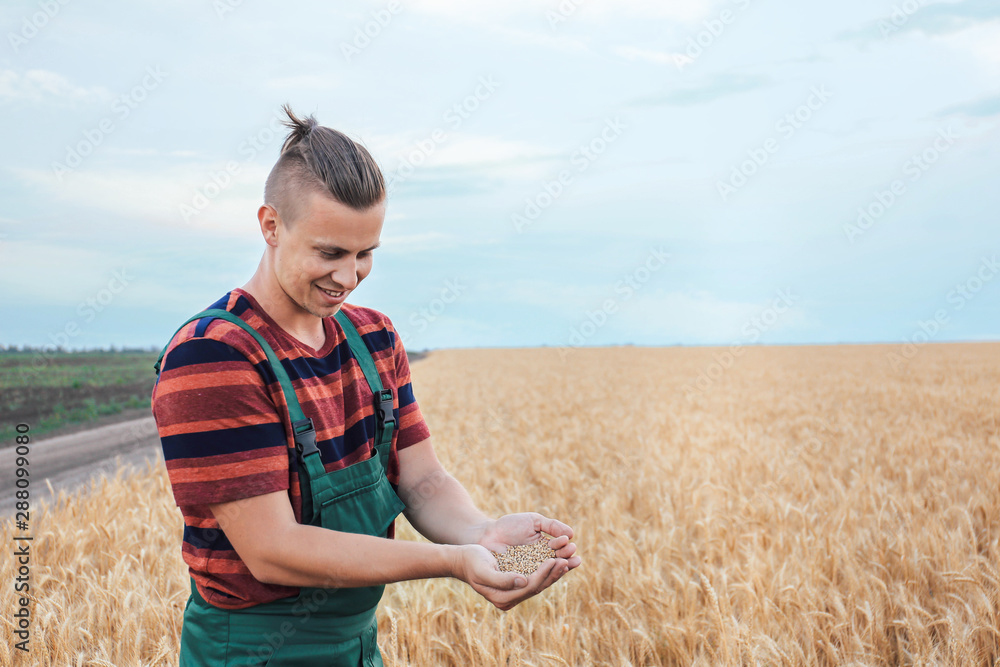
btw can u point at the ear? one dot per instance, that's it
(268, 218)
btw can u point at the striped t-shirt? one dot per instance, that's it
(224, 425)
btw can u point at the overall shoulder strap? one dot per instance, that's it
(361, 352)
(385, 420)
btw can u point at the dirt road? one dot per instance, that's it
(71, 461)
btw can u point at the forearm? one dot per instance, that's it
(304, 555)
(441, 509)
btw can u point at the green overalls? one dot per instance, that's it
(319, 626)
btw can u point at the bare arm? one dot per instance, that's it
(278, 550)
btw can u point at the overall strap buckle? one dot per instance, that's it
(305, 437)
(383, 408)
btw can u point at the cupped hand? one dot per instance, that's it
(529, 528)
(477, 567)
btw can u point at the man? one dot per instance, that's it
(289, 487)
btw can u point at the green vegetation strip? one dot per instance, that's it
(48, 390)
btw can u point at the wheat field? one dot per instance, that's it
(801, 506)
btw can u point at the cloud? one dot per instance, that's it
(946, 17)
(983, 107)
(441, 182)
(591, 10)
(155, 197)
(673, 10)
(981, 42)
(459, 163)
(940, 18)
(548, 39)
(702, 316)
(419, 242)
(719, 86)
(39, 85)
(655, 57)
(150, 152)
(310, 83)
(550, 24)
(69, 272)
(472, 150)
(651, 314)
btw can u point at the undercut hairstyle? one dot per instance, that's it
(322, 160)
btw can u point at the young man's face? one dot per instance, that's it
(321, 257)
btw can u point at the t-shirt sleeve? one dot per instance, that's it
(412, 427)
(221, 434)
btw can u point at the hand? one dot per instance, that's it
(528, 528)
(476, 566)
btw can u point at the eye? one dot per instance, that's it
(329, 255)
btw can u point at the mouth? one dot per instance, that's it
(333, 297)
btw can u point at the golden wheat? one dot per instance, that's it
(811, 506)
(524, 558)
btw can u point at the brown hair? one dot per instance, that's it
(320, 159)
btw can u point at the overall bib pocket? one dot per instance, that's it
(359, 499)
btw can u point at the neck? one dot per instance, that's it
(299, 323)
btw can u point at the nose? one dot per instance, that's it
(345, 274)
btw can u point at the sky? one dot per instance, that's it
(573, 173)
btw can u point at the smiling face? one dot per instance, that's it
(321, 257)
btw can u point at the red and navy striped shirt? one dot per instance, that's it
(224, 425)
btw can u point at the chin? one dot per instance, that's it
(322, 311)
(325, 310)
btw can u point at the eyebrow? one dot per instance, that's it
(332, 248)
